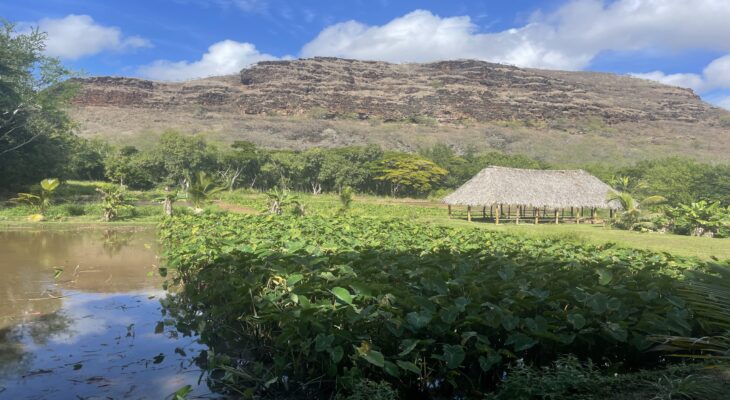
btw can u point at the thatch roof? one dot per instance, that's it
(534, 188)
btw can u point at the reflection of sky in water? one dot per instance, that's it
(108, 348)
(98, 340)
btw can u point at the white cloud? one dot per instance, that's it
(692, 81)
(76, 36)
(569, 38)
(224, 57)
(715, 76)
(723, 102)
(421, 36)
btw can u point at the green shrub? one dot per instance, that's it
(425, 308)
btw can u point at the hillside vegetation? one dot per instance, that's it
(568, 117)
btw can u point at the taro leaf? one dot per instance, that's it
(158, 358)
(506, 273)
(486, 363)
(453, 355)
(322, 342)
(342, 294)
(604, 276)
(336, 354)
(520, 341)
(409, 366)
(598, 303)
(461, 303)
(159, 327)
(616, 331)
(577, 320)
(418, 319)
(162, 271)
(294, 279)
(374, 357)
(391, 369)
(408, 346)
(449, 314)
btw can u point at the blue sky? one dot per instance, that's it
(678, 42)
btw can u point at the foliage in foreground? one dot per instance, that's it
(425, 308)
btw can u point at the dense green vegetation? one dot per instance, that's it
(432, 310)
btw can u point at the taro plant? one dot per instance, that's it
(113, 202)
(41, 201)
(200, 187)
(434, 311)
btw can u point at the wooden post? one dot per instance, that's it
(519, 212)
(499, 211)
(468, 213)
(580, 215)
(449, 211)
(556, 217)
(537, 216)
(509, 212)
(593, 215)
(491, 211)
(484, 213)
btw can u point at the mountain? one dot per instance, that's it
(558, 116)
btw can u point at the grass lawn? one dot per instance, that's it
(432, 211)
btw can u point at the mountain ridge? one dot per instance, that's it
(464, 103)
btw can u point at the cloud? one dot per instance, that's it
(76, 36)
(222, 58)
(723, 102)
(692, 81)
(716, 75)
(421, 36)
(568, 38)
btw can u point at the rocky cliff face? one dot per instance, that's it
(277, 99)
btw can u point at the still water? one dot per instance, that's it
(80, 318)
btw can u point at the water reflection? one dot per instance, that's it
(80, 318)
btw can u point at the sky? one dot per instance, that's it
(677, 42)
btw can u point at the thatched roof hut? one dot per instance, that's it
(553, 189)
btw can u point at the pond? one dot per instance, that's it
(80, 318)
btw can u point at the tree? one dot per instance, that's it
(33, 125)
(242, 161)
(633, 215)
(200, 187)
(177, 156)
(408, 173)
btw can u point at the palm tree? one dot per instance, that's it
(633, 215)
(200, 187)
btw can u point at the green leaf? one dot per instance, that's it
(453, 355)
(336, 353)
(486, 363)
(294, 279)
(182, 393)
(418, 319)
(342, 294)
(391, 369)
(577, 320)
(408, 345)
(520, 341)
(374, 357)
(409, 366)
(323, 342)
(604, 276)
(449, 314)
